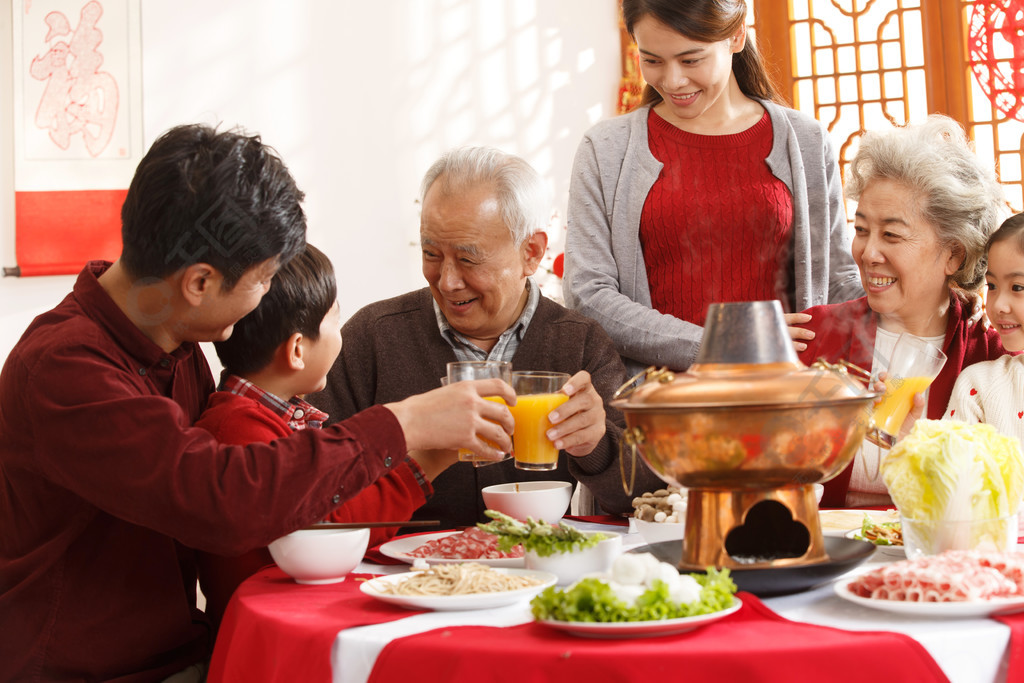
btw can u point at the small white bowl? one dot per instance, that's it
(657, 532)
(542, 500)
(573, 566)
(320, 555)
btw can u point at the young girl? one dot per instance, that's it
(993, 391)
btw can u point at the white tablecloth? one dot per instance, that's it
(967, 650)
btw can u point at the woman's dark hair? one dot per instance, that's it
(707, 21)
(300, 295)
(202, 196)
(1010, 229)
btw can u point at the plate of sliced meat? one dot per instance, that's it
(956, 584)
(450, 547)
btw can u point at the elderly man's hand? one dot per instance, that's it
(578, 424)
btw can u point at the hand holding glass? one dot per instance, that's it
(914, 365)
(480, 369)
(537, 394)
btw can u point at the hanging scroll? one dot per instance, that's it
(77, 129)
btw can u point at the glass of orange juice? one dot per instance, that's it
(913, 366)
(479, 369)
(537, 394)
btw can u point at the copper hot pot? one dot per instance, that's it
(748, 416)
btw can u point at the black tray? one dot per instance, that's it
(844, 554)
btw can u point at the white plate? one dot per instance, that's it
(974, 608)
(445, 603)
(400, 548)
(838, 522)
(889, 550)
(640, 629)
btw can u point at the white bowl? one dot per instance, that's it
(320, 555)
(542, 500)
(657, 532)
(570, 567)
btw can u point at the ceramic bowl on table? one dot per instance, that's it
(541, 500)
(572, 566)
(658, 532)
(320, 555)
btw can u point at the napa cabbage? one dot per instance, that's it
(946, 470)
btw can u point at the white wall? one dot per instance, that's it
(359, 98)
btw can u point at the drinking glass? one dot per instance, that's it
(537, 394)
(480, 369)
(913, 366)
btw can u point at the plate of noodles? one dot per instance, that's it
(447, 587)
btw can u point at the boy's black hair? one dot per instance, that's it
(1011, 228)
(202, 196)
(300, 295)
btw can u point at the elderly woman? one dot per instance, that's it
(925, 208)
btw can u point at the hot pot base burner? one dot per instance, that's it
(843, 555)
(751, 529)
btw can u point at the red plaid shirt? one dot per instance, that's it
(296, 412)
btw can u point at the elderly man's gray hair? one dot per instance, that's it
(523, 198)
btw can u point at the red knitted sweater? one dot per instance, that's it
(717, 224)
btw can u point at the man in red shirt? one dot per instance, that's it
(105, 485)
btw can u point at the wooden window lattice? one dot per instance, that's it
(860, 64)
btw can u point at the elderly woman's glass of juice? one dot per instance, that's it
(913, 366)
(537, 394)
(480, 369)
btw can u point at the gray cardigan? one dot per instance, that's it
(393, 349)
(605, 275)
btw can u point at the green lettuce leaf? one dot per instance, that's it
(591, 599)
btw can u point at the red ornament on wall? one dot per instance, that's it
(994, 27)
(558, 265)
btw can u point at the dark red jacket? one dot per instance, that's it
(847, 331)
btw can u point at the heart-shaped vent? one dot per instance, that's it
(768, 532)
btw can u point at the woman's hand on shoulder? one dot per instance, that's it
(798, 334)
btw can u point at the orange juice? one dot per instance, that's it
(533, 449)
(897, 401)
(466, 455)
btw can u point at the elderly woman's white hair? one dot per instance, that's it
(957, 192)
(523, 199)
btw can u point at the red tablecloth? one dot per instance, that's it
(277, 630)
(755, 644)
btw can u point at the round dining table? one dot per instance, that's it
(278, 630)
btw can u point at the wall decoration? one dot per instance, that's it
(996, 44)
(77, 128)
(631, 85)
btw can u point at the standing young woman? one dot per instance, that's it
(710, 191)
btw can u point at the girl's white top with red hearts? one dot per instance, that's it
(992, 392)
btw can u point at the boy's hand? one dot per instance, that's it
(579, 423)
(458, 416)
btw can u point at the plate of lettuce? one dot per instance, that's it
(639, 597)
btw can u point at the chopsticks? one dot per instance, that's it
(373, 525)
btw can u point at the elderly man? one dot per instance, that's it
(481, 231)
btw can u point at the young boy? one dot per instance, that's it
(276, 354)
